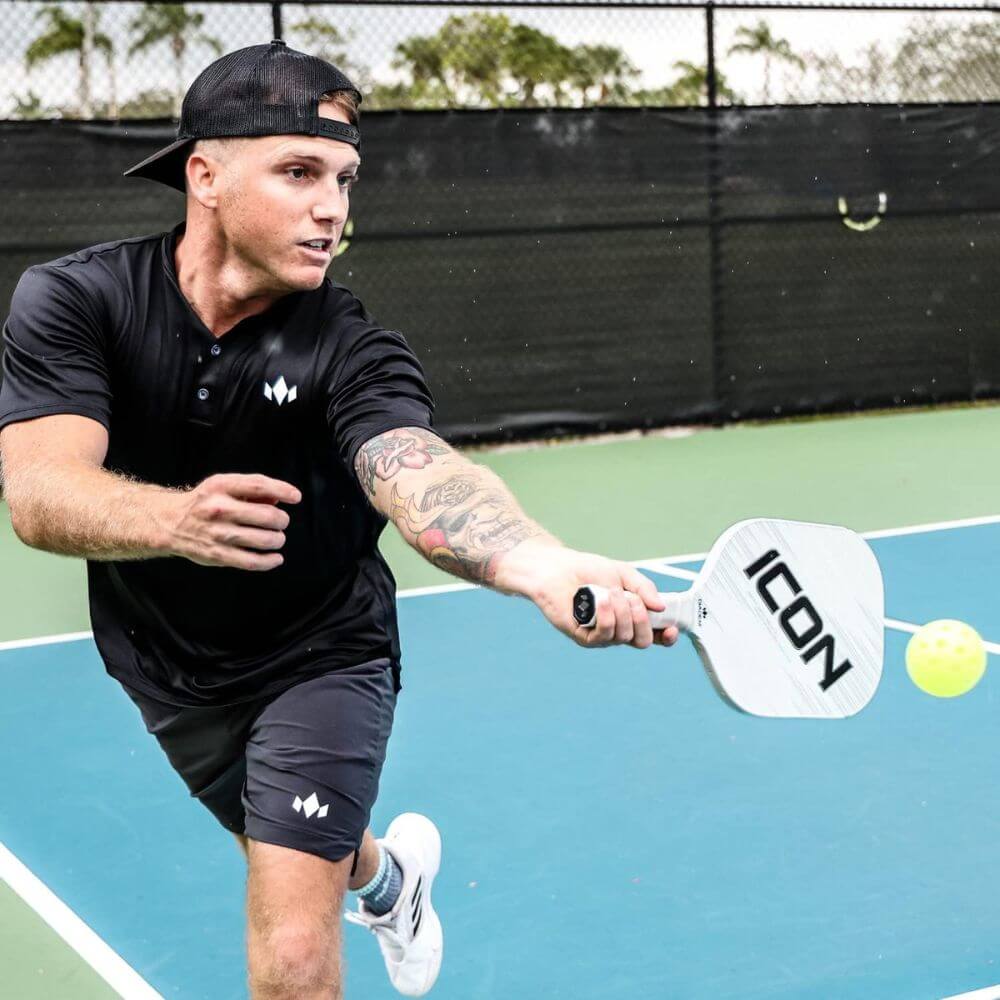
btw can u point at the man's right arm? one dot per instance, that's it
(62, 500)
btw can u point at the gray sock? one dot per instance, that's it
(381, 893)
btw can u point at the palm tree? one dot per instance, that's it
(68, 34)
(759, 39)
(423, 56)
(534, 58)
(691, 87)
(474, 46)
(463, 61)
(175, 24)
(92, 37)
(601, 66)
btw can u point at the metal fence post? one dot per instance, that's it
(715, 276)
(712, 85)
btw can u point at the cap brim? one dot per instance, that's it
(166, 166)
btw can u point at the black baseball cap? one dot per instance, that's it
(259, 90)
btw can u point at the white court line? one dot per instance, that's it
(893, 623)
(441, 588)
(910, 529)
(917, 529)
(665, 569)
(106, 962)
(45, 640)
(111, 967)
(653, 564)
(987, 993)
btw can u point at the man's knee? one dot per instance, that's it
(294, 902)
(297, 960)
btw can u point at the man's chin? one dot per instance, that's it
(302, 280)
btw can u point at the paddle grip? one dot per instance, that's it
(587, 598)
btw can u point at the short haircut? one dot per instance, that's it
(347, 101)
(225, 148)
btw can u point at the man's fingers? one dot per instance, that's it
(236, 537)
(643, 586)
(622, 615)
(603, 631)
(667, 636)
(258, 515)
(237, 558)
(642, 637)
(242, 559)
(256, 488)
(624, 626)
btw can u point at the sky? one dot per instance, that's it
(653, 39)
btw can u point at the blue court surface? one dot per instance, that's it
(612, 830)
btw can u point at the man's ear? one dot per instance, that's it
(202, 173)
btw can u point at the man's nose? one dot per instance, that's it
(332, 206)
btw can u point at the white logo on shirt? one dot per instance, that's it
(280, 392)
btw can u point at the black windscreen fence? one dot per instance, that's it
(581, 270)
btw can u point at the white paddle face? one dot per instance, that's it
(788, 619)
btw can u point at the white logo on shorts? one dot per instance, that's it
(311, 807)
(280, 391)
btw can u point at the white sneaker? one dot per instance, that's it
(409, 935)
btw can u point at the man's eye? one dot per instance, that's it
(348, 181)
(297, 173)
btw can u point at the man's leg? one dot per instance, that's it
(294, 902)
(313, 760)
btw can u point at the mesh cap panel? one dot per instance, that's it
(260, 90)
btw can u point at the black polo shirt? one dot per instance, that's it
(291, 393)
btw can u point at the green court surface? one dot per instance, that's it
(634, 498)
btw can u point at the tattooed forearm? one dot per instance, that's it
(463, 524)
(457, 514)
(386, 455)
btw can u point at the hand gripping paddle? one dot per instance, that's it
(786, 616)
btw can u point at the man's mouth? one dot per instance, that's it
(319, 245)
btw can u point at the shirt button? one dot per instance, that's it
(203, 394)
(216, 350)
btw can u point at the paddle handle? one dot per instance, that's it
(679, 608)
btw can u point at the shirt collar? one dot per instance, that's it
(274, 313)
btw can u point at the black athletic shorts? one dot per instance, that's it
(299, 769)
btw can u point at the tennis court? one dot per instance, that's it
(611, 828)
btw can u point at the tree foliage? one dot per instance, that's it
(322, 38)
(942, 61)
(65, 35)
(487, 59)
(689, 89)
(759, 40)
(174, 24)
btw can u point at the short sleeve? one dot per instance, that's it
(378, 388)
(54, 357)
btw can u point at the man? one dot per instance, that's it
(222, 432)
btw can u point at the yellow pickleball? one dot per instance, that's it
(945, 658)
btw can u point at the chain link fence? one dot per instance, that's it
(126, 60)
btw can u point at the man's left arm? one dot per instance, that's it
(462, 518)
